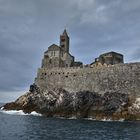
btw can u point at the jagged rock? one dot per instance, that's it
(134, 109)
(84, 104)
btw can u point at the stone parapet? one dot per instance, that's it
(124, 78)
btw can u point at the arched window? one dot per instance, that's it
(50, 61)
(62, 39)
(51, 53)
(63, 46)
(62, 53)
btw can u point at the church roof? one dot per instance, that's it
(53, 47)
(112, 53)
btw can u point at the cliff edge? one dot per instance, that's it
(120, 99)
(84, 104)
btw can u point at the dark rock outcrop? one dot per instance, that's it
(84, 104)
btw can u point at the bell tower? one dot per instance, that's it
(64, 41)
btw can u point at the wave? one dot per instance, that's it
(34, 113)
(18, 112)
(93, 119)
(72, 118)
(110, 120)
(105, 120)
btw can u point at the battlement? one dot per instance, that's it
(69, 70)
(119, 77)
(66, 70)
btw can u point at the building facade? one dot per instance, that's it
(59, 56)
(110, 58)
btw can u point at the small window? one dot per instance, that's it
(62, 54)
(63, 40)
(63, 46)
(51, 53)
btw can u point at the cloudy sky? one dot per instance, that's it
(28, 27)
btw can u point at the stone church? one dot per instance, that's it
(59, 56)
(110, 58)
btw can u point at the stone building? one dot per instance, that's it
(59, 56)
(110, 58)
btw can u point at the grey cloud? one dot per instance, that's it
(136, 55)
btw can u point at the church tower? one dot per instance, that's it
(64, 41)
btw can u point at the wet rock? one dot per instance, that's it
(84, 104)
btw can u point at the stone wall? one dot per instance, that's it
(124, 78)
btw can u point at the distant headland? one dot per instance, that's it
(105, 89)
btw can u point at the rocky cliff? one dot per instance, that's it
(102, 93)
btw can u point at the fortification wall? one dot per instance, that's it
(124, 78)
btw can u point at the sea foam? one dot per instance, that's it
(18, 112)
(105, 120)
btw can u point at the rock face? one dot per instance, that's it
(84, 104)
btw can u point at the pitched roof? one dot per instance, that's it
(53, 47)
(113, 53)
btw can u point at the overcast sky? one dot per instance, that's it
(28, 27)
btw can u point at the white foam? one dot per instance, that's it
(121, 120)
(2, 108)
(13, 112)
(105, 120)
(110, 120)
(19, 112)
(72, 118)
(90, 119)
(34, 113)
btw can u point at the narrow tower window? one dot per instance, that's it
(50, 61)
(62, 54)
(51, 53)
(63, 39)
(62, 46)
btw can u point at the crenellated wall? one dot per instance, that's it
(124, 78)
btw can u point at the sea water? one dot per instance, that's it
(19, 126)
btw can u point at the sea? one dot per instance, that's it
(15, 125)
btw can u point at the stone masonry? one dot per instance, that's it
(124, 78)
(59, 56)
(110, 75)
